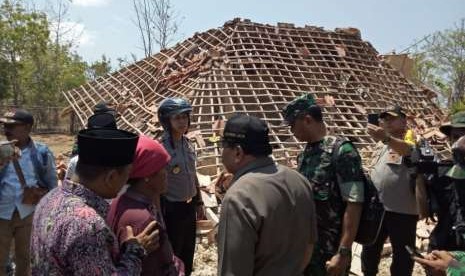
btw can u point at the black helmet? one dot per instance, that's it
(172, 106)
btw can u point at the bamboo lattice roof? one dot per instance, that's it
(256, 69)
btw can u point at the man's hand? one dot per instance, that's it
(149, 238)
(376, 132)
(436, 263)
(337, 265)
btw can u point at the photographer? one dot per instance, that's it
(448, 192)
(392, 177)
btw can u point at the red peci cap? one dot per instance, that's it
(150, 158)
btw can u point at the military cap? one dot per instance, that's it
(248, 131)
(393, 110)
(456, 172)
(17, 116)
(104, 147)
(457, 121)
(301, 104)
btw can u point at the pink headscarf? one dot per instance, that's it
(150, 158)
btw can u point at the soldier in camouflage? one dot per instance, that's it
(448, 191)
(337, 186)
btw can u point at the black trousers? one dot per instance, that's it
(180, 219)
(401, 230)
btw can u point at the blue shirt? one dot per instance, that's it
(11, 192)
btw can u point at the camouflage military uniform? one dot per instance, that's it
(448, 194)
(331, 192)
(457, 269)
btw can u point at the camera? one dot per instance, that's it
(7, 149)
(373, 119)
(424, 159)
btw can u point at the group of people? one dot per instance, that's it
(128, 204)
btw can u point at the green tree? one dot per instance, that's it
(4, 80)
(23, 36)
(35, 67)
(440, 63)
(45, 83)
(98, 68)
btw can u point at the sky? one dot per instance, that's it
(106, 26)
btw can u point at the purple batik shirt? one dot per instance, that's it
(70, 236)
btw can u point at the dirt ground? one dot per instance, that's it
(205, 262)
(205, 259)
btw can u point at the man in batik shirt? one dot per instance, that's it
(70, 236)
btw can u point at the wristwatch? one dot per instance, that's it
(387, 139)
(344, 251)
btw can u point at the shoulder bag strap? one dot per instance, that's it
(38, 166)
(19, 173)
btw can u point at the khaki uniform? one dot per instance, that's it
(392, 178)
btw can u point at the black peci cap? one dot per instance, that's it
(105, 147)
(102, 107)
(248, 131)
(101, 120)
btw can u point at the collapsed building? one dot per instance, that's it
(256, 69)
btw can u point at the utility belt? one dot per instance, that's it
(181, 202)
(176, 202)
(170, 208)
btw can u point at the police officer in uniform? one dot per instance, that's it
(392, 176)
(182, 202)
